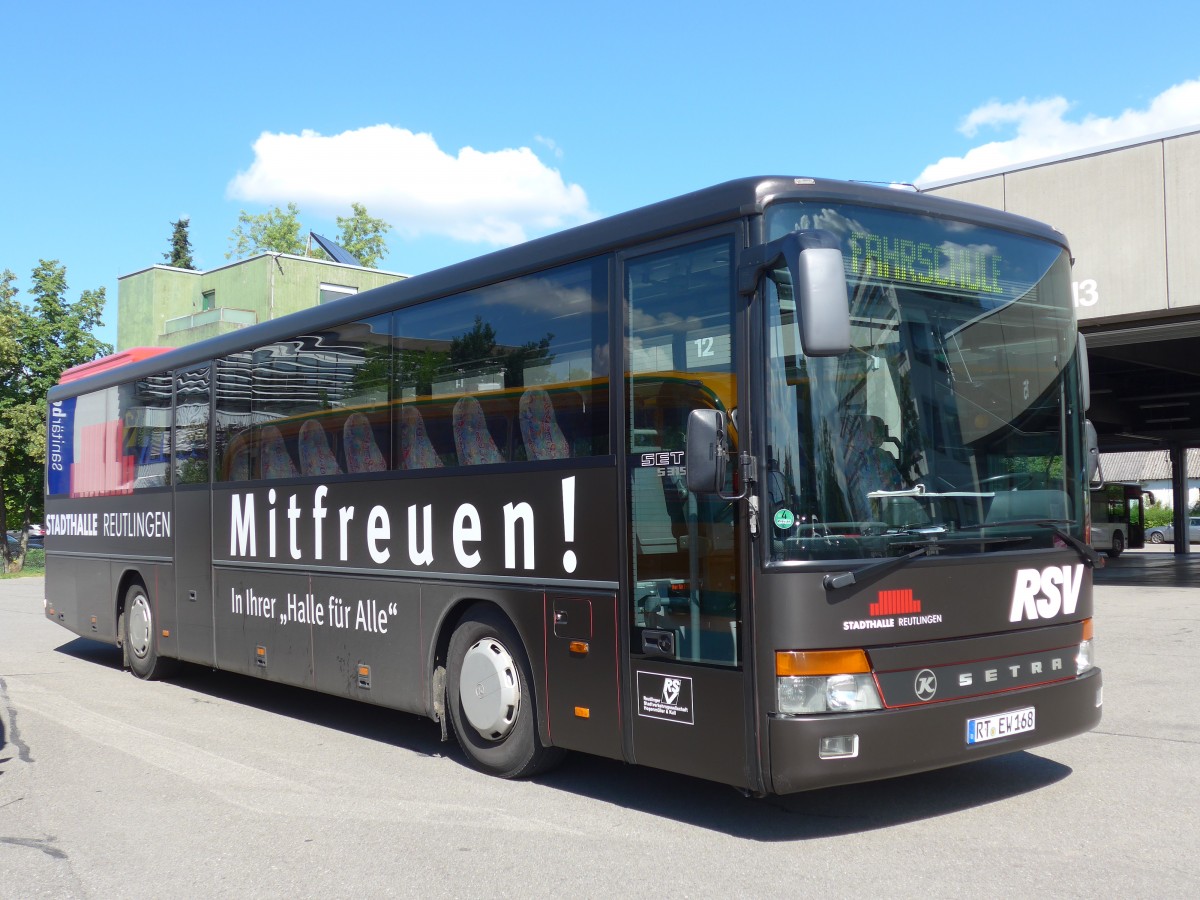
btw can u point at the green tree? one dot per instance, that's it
(417, 370)
(180, 255)
(38, 342)
(476, 351)
(275, 231)
(473, 349)
(362, 235)
(1157, 514)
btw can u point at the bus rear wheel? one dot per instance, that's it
(137, 633)
(489, 690)
(1118, 545)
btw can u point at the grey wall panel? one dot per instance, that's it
(984, 191)
(1182, 178)
(1112, 209)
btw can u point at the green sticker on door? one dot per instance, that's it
(784, 519)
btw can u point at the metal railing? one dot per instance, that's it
(239, 317)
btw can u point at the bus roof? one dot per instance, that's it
(112, 361)
(710, 206)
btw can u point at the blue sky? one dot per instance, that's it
(471, 125)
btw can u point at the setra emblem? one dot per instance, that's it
(925, 685)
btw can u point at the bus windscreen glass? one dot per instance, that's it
(953, 423)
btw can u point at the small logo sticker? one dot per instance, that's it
(784, 519)
(891, 603)
(665, 697)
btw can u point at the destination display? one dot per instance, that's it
(948, 265)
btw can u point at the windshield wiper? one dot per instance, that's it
(1089, 556)
(923, 544)
(834, 582)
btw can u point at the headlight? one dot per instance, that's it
(1084, 659)
(800, 695)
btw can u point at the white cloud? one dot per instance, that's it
(551, 145)
(1043, 130)
(496, 197)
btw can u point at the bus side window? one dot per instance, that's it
(145, 414)
(190, 441)
(233, 449)
(513, 372)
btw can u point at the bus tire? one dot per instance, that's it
(490, 697)
(138, 636)
(1118, 545)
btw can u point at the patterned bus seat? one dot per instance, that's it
(358, 439)
(274, 456)
(416, 450)
(539, 427)
(472, 440)
(316, 456)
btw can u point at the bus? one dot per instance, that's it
(1118, 516)
(781, 484)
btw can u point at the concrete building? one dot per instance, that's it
(1132, 214)
(167, 307)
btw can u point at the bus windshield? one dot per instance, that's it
(953, 425)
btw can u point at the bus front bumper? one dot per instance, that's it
(918, 738)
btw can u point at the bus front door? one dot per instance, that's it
(688, 708)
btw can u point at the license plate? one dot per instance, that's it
(989, 728)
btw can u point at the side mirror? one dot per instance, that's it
(822, 300)
(814, 262)
(707, 451)
(1095, 473)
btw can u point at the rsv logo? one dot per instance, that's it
(670, 693)
(1043, 594)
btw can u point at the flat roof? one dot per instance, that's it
(1063, 157)
(238, 262)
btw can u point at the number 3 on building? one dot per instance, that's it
(1086, 292)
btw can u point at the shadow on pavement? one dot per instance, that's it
(818, 814)
(1151, 569)
(824, 813)
(91, 651)
(364, 720)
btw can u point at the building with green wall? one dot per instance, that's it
(167, 307)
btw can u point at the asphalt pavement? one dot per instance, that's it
(216, 785)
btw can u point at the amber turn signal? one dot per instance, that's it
(821, 662)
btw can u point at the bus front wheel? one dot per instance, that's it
(137, 632)
(489, 691)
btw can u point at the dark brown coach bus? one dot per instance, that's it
(782, 484)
